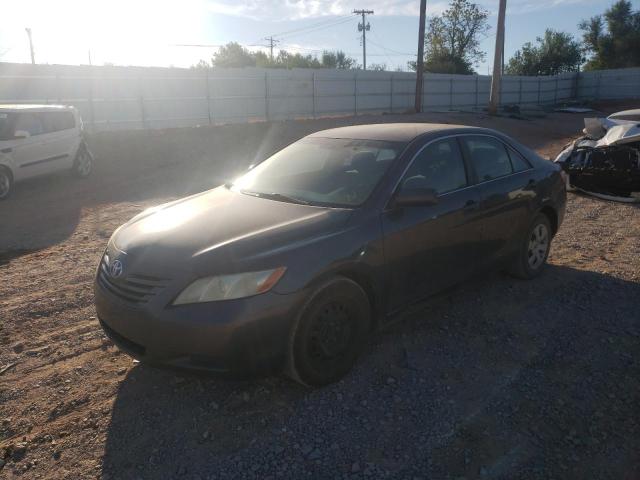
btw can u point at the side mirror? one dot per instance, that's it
(21, 134)
(414, 197)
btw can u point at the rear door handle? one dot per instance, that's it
(7, 150)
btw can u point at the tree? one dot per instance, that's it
(378, 67)
(339, 60)
(295, 60)
(202, 64)
(233, 55)
(452, 43)
(556, 52)
(612, 39)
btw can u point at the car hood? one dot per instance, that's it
(227, 228)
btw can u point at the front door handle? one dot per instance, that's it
(7, 150)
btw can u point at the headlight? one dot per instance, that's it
(229, 287)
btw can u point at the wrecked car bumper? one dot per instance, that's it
(606, 161)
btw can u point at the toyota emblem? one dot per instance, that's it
(115, 269)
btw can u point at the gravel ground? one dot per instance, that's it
(497, 378)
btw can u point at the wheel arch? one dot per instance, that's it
(365, 280)
(552, 215)
(8, 170)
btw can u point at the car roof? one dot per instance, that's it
(33, 107)
(391, 132)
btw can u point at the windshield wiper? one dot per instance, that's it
(276, 196)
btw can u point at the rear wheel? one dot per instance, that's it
(533, 253)
(83, 163)
(330, 333)
(6, 183)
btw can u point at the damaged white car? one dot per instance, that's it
(606, 161)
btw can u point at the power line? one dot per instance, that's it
(317, 50)
(320, 27)
(363, 27)
(205, 45)
(328, 21)
(390, 50)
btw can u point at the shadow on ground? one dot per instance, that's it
(496, 379)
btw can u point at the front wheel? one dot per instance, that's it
(533, 252)
(329, 333)
(6, 183)
(83, 164)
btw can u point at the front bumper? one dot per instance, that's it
(243, 336)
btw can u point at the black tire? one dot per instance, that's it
(329, 333)
(6, 183)
(533, 252)
(83, 163)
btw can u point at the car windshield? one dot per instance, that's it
(322, 171)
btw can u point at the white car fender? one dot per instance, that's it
(6, 160)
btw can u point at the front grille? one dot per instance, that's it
(131, 288)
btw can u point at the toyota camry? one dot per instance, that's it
(290, 266)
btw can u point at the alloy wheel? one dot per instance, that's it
(84, 163)
(5, 184)
(538, 246)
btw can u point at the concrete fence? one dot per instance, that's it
(139, 97)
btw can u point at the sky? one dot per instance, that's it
(155, 32)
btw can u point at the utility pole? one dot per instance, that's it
(420, 59)
(272, 42)
(33, 56)
(364, 27)
(496, 78)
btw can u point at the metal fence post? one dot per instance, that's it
(424, 80)
(266, 96)
(355, 93)
(555, 93)
(477, 80)
(539, 82)
(598, 86)
(313, 93)
(391, 93)
(520, 91)
(141, 97)
(92, 112)
(206, 83)
(59, 99)
(451, 93)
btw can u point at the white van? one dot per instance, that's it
(40, 139)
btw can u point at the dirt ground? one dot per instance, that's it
(497, 378)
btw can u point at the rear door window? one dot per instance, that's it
(488, 156)
(7, 121)
(518, 162)
(57, 121)
(439, 166)
(29, 122)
